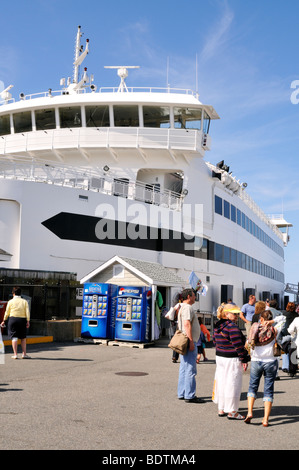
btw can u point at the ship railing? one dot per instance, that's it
(50, 93)
(85, 180)
(260, 213)
(252, 205)
(105, 137)
(138, 191)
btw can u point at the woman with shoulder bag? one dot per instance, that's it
(262, 338)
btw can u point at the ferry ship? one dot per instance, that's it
(89, 173)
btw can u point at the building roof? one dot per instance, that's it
(152, 273)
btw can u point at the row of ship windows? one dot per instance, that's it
(105, 116)
(223, 207)
(209, 250)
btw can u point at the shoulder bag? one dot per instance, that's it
(179, 342)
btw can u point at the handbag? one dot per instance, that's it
(179, 342)
(171, 314)
(276, 350)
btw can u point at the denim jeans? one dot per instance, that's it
(257, 369)
(285, 361)
(187, 373)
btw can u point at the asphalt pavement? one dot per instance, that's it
(76, 396)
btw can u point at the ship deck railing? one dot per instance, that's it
(104, 137)
(80, 91)
(87, 181)
(253, 206)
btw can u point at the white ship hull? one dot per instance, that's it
(57, 228)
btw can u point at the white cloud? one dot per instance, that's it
(218, 34)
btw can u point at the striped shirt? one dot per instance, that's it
(229, 340)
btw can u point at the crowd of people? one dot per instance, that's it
(270, 335)
(267, 330)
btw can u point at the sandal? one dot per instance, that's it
(221, 414)
(235, 415)
(248, 419)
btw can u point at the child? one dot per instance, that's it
(201, 344)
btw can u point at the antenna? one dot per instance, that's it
(167, 73)
(79, 54)
(122, 72)
(196, 77)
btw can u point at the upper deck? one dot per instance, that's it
(152, 119)
(72, 123)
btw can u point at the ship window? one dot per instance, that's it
(22, 122)
(226, 254)
(253, 229)
(243, 265)
(126, 116)
(97, 116)
(243, 220)
(218, 252)
(233, 255)
(226, 211)
(239, 217)
(211, 250)
(70, 117)
(187, 118)
(156, 116)
(254, 268)
(246, 223)
(204, 249)
(45, 119)
(233, 211)
(201, 248)
(4, 125)
(218, 205)
(206, 123)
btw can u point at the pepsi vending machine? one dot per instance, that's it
(98, 311)
(132, 322)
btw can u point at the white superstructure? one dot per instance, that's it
(88, 173)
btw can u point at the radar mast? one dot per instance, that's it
(122, 72)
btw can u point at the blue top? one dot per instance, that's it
(248, 311)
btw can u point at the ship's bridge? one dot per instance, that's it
(99, 127)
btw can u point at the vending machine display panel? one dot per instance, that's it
(132, 321)
(98, 310)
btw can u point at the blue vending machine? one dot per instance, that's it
(132, 322)
(98, 310)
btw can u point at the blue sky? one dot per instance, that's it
(247, 55)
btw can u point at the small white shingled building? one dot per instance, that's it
(132, 272)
